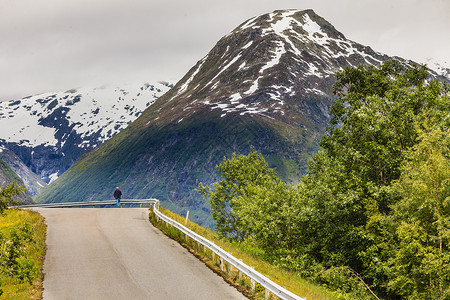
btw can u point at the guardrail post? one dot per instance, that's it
(222, 264)
(253, 285)
(197, 246)
(266, 294)
(229, 268)
(187, 217)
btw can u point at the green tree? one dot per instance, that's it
(421, 266)
(266, 211)
(7, 195)
(240, 176)
(332, 228)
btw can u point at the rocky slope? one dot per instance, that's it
(267, 84)
(31, 181)
(49, 132)
(7, 176)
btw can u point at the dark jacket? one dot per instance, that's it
(117, 194)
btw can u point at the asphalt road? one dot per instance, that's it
(112, 253)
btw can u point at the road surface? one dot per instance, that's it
(112, 253)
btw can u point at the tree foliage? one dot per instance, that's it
(7, 195)
(421, 266)
(240, 174)
(373, 121)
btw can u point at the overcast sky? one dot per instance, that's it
(55, 45)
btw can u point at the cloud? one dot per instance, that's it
(52, 45)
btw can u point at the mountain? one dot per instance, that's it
(7, 176)
(439, 67)
(268, 84)
(31, 181)
(49, 132)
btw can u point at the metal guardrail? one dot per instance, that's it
(265, 282)
(151, 201)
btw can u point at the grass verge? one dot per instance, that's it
(291, 281)
(12, 221)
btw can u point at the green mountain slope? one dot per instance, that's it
(167, 161)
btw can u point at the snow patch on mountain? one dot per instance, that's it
(235, 106)
(103, 112)
(247, 45)
(254, 87)
(279, 51)
(226, 66)
(249, 23)
(16, 124)
(184, 87)
(53, 177)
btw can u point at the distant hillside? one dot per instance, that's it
(7, 175)
(267, 84)
(32, 182)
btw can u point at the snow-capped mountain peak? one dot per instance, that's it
(269, 61)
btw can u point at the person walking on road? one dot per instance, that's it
(117, 195)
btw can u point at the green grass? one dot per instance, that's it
(250, 256)
(10, 221)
